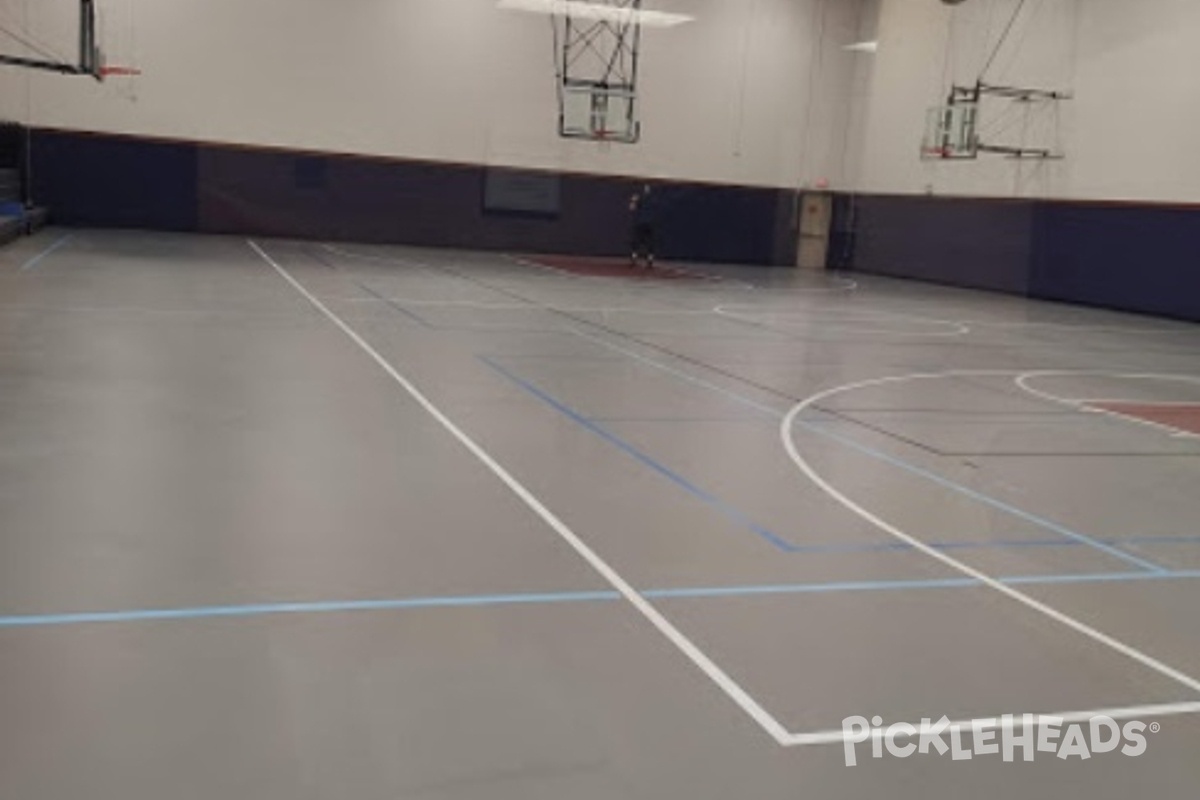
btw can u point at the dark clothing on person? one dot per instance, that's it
(644, 214)
(643, 241)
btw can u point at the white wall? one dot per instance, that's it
(752, 92)
(1138, 108)
(755, 91)
(1129, 134)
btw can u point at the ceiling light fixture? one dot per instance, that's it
(579, 9)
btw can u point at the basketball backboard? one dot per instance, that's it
(603, 114)
(70, 37)
(597, 64)
(597, 45)
(950, 132)
(955, 131)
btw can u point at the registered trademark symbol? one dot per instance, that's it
(1155, 727)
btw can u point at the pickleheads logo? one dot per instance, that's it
(1007, 736)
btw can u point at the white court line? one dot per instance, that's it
(706, 665)
(1170, 430)
(409, 301)
(1024, 380)
(412, 262)
(505, 306)
(842, 285)
(714, 672)
(432, 268)
(709, 279)
(660, 269)
(170, 312)
(527, 306)
(1137, 402)
(689, 378)
(785, 432)
(562, 273)
(827, 323)
(866, 313)
(1067, 326)
(61, 242)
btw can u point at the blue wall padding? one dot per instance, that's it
(1143, 258)
(1134, 257)
(94, 180)
(108, 180)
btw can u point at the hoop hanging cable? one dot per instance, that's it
(29, 42)
(18, 30)
(1003, 38)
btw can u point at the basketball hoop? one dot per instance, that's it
(119, 72)
(91, 58)
(596, 64)
(604, 139)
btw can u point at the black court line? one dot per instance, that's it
(766, 389)
(788, 397)
(952, 412)
(1065, 454)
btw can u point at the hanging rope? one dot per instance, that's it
(29, 42)
(1003, 38)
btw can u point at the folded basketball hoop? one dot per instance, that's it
(952, 131)
(91, 60)
(106, 71)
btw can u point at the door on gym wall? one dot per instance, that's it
(816, 217)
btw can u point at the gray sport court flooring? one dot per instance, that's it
(287, 520)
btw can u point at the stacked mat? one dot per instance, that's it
(15, 217)
(12, 210)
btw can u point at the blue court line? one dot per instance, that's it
(733, 513)
(425, 323)
(896, 462)
(433, 326)
(1103, 577)
(736, 420)
(761, 408)
(33, 262)
(739, 516)
(1155, 540)
(988, 544)
(553, 357)
(987, 500)
(262, 609)
(386, 300)
(727, 510)
(900, 547)
(548, 598)
(703, 592)
(1071, 538)
(902, 585)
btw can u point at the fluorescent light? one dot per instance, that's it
(579, 9)
(862, 47)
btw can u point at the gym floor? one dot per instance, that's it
(290, 520)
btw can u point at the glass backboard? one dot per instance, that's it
(599, 113)
(950, 132)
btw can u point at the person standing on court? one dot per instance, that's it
(641, 209)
